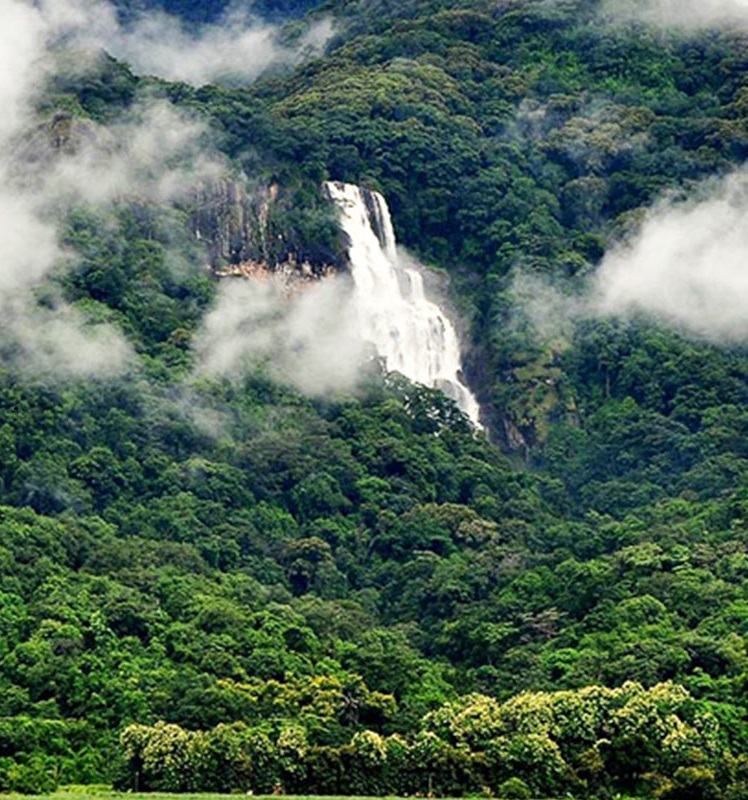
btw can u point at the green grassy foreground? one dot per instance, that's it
(96, 793)
(63, 794)
(112, 795)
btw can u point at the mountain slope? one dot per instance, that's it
(208, 550)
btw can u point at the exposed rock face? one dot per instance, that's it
(236, 227)
(231, 223)
(292, 276)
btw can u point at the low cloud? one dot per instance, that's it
(238, 47)
(21, 39)
(50, 338)
(694, 14)
(308, 340)
(686, 267)
(39, 338)
(153, 154)
(60, 341)
(550, 311)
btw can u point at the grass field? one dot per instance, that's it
(64, 794)
(104, 793)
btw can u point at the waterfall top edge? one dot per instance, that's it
(351, 196)
(342, 190)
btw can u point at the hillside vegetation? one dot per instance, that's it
(222, 584)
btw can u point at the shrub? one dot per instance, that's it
(514, 789)
(693, 783)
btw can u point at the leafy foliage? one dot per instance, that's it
(535, 744)
(234, 585)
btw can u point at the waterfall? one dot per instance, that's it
(412, 334)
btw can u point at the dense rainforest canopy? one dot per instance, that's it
(358, 592)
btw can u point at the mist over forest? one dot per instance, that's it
(242, 547)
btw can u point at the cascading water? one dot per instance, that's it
(412, 334)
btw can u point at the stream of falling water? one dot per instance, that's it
(412, 334)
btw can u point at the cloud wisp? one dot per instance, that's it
(685, 268)
(153, 153)
(236, 48)
(37, 337)
(309, 340)
(681, 14)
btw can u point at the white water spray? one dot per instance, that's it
(412, 334)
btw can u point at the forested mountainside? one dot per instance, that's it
(232, 578)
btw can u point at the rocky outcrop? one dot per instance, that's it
(243, 232)
(230, 222)
(290, 275)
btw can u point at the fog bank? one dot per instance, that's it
(686, 267)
